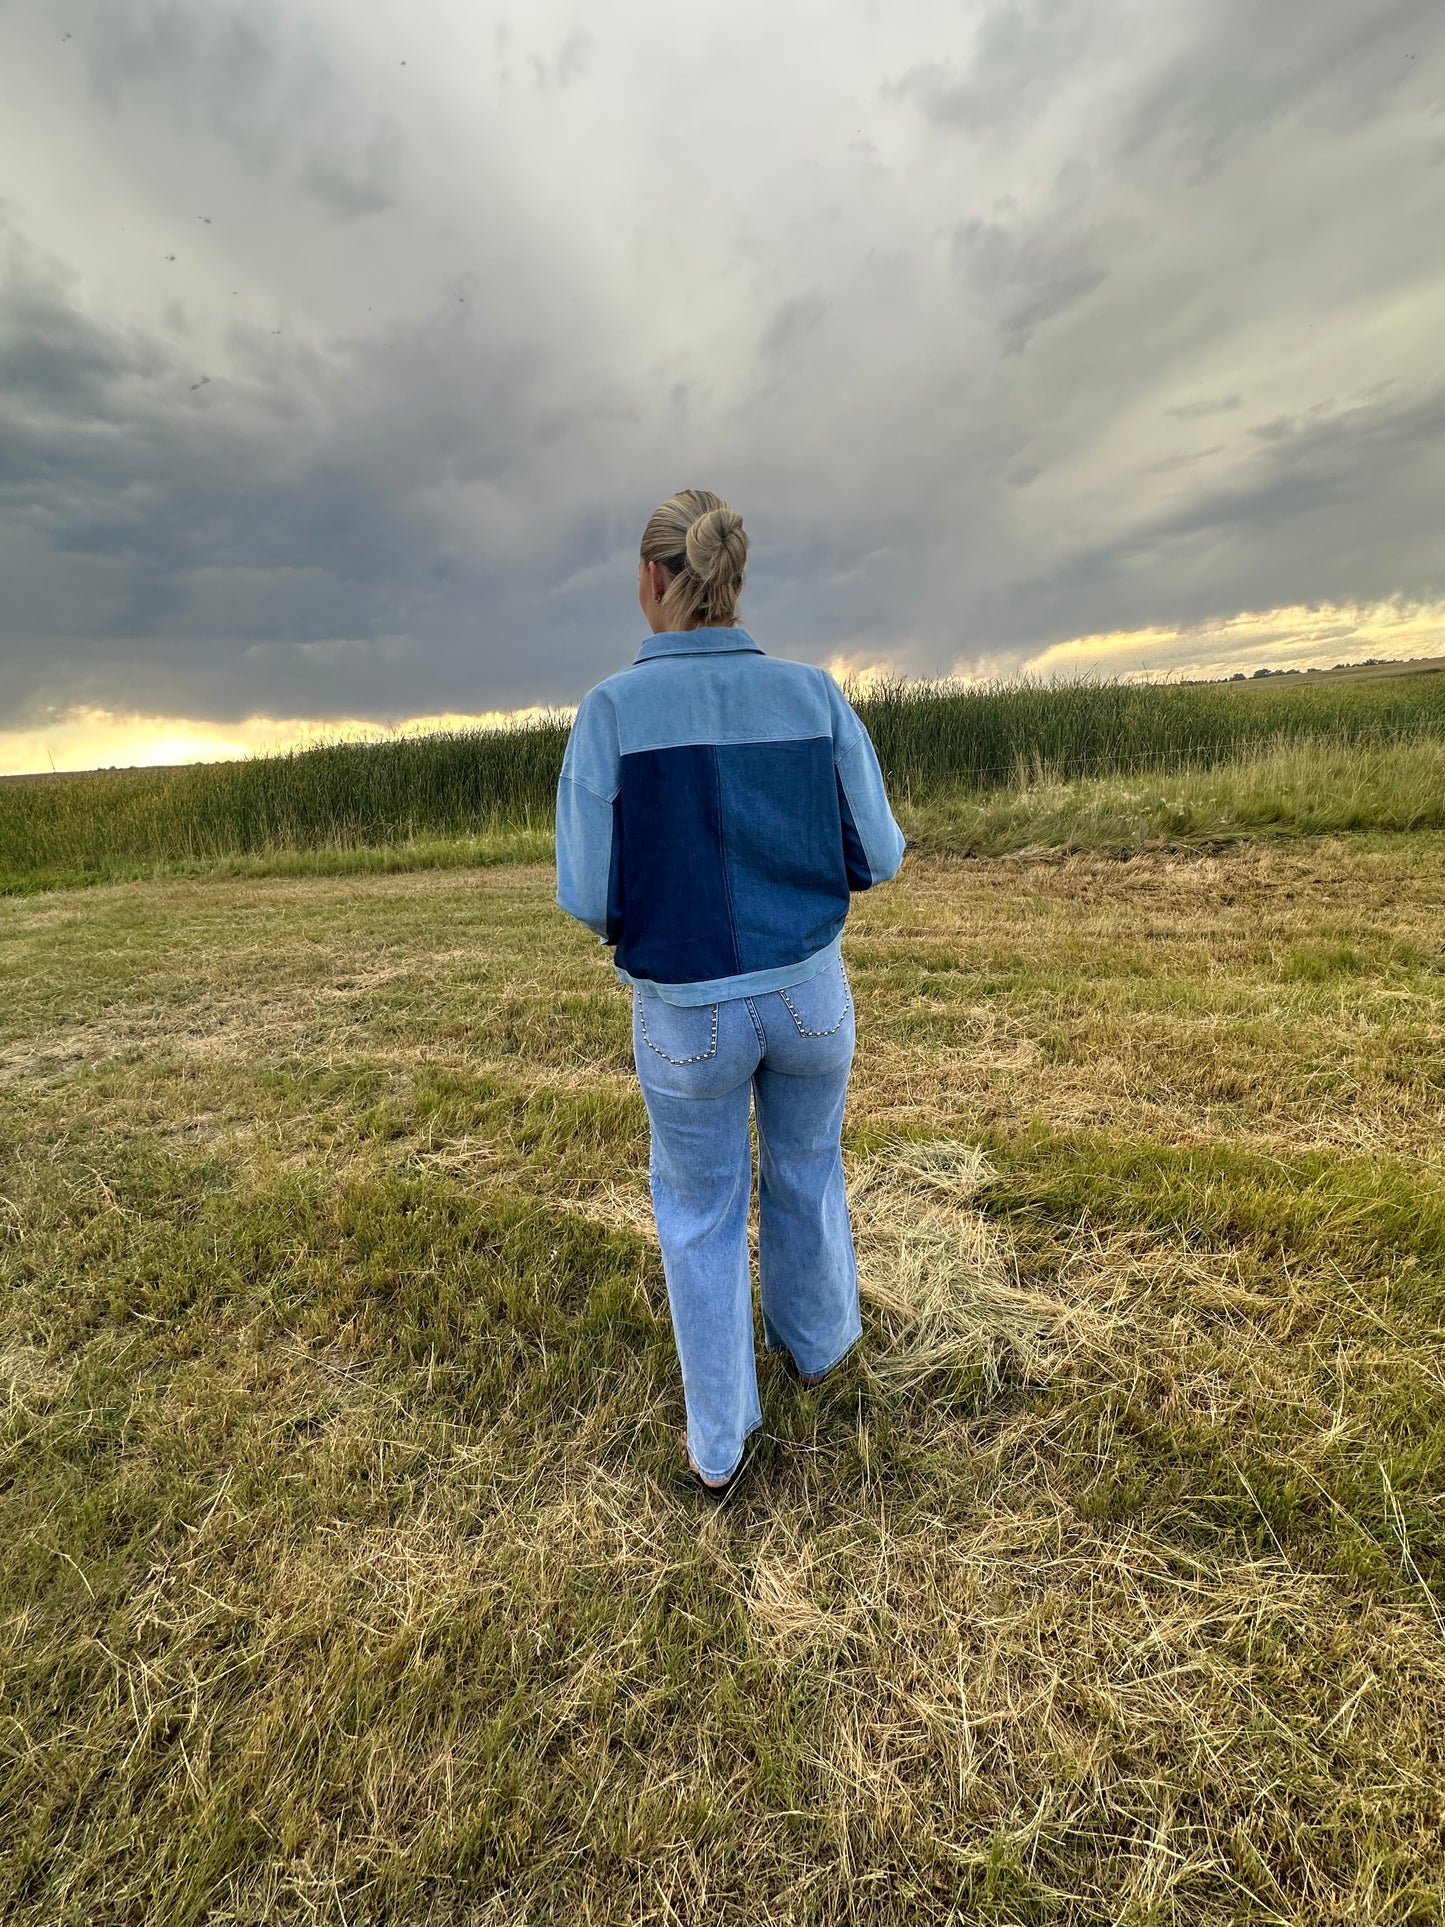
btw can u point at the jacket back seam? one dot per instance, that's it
(722, 837)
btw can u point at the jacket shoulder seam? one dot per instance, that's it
(577, 782)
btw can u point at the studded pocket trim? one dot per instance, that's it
(697, 1058)
(803, 1028)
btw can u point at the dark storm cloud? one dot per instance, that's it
(791, 324)
(362, 186)
(1321, 70)
(571, 61)
(61, 361)
(1191, 411)
(1336, 499)
(1025, 278)
(1337, 507)
(1021, 55)
(254, 79)
(354, 390)
(293, 501)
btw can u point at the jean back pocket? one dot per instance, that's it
(820, 1006)
(678, 1033)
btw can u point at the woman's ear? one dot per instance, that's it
(658, 577)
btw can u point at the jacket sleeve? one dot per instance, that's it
(590, 780)
(873, 844)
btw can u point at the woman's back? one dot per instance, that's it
(742, 805)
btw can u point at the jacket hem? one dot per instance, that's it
(747, 983)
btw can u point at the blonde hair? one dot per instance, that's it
(700, 540)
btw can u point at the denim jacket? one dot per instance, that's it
(716, 807)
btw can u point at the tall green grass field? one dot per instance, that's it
(487, 795)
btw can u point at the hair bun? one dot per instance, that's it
(700, 541)
(716, 544)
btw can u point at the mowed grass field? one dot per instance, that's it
(350, 1570)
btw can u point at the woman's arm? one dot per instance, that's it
(873, 844)
(590, 780)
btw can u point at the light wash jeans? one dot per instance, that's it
(699, 1065)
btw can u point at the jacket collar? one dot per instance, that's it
(697, 642)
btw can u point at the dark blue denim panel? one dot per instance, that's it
(860, 876)
(784, 848)
(676, 922)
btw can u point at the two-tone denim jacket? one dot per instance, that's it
(716, 807)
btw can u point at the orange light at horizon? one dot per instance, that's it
(88, 737)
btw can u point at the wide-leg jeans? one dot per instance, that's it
(700, 1066)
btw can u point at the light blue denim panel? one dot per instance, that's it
(759, 982)
(743, 698)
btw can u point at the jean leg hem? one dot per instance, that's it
(716, 1478)
(817, 1371)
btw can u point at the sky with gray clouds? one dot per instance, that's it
(344, 349)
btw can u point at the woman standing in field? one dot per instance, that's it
(717, 806)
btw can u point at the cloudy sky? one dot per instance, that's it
(344, 350)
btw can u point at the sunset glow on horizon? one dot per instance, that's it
(89, 737)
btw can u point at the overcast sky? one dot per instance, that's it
(345, 349)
